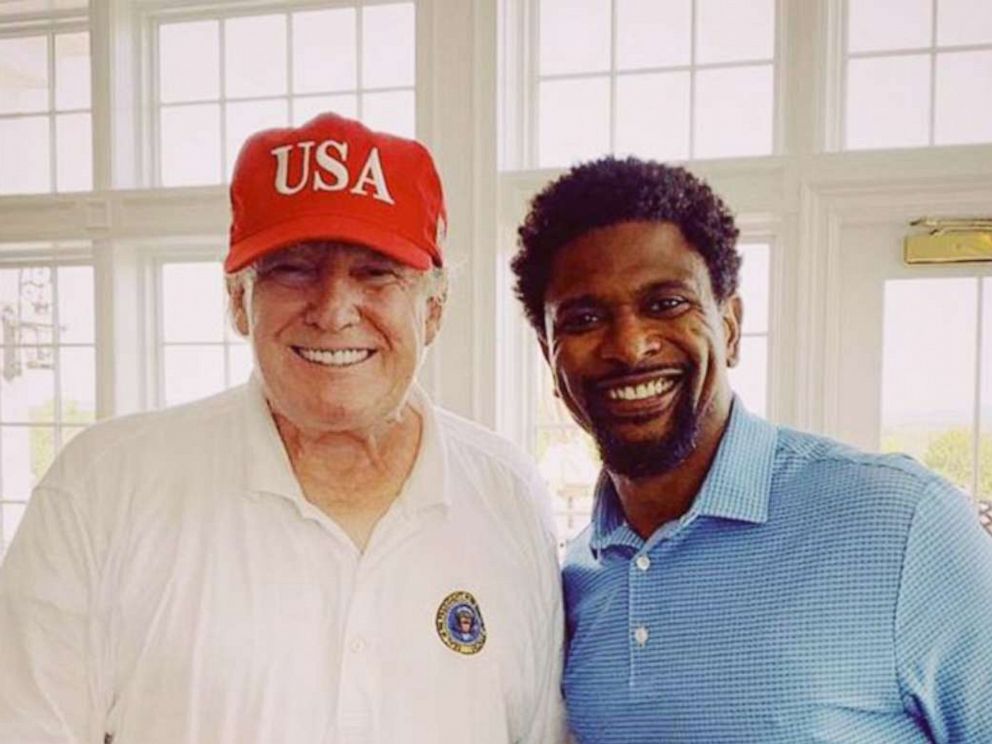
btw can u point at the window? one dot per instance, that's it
(200, 353)
(45, 118)
(750, 377)
(220, 79)
(938, 407)
(48, 365)
(918, 73)
(669, 81)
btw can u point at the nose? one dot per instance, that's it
(630, 339)
(335, 303)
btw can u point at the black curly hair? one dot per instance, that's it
(609, 191)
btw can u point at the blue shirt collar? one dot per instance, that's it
(736, 487)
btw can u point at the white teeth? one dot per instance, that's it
(335, 358)
(642, 390)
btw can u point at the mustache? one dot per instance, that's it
(618, 374)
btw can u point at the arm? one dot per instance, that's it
(944, 619)
(548, 721)
(46, 690)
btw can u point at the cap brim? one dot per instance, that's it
(347, 229)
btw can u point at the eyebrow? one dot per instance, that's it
(590, 300)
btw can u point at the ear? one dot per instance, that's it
(432, 323)
(732, 311)
(239, 312)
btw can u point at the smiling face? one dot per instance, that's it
(338, 333)
(639, 345)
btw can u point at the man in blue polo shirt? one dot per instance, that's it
(740, 582)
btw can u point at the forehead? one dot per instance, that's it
(317, 251)
(623, 258)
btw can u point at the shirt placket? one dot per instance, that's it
(643, 633)
(359, 665)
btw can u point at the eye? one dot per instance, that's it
(377, 273)
(579, 320)
(291, 273)
(666, 306)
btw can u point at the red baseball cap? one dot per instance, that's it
(334, 179)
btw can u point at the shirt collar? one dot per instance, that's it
(267, 467)
(736, 487)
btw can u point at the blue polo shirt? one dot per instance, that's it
(813, 593)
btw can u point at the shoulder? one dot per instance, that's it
(155, 440)
(499, 472)
(825, 460)
(477, 444)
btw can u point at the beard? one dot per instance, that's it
(646, 457)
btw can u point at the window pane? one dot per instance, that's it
(76, 311)
(248, 117)
(754, 287)
(240, 363)
(734, 112)
(575, 36)
(27, 453)
(23, 74)
(874, 25)
(26, 302)
(192, 372)
(72, 71)
(78, 378)
(719, 25)
(653, 34)
(255, 56)
(305, 109)
(193, 302)
(390, 112)
(73, 152)
(962, 113)
(927, 397)
(569, 464)
(749, 378)
(27, 387)
(888, 102)
(190, 152)
(12, 514)
(324, 54)
(653, 115)
(189, 61)
(24, 156)
(964, 22)
(388, 56)
(574, 121)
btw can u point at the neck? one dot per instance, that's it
(354, 477)
(649, 502)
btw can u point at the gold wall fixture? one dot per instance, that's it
(953, 240)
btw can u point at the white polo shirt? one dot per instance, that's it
(170, 584)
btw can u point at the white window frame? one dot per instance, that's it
(932, 51)
(519, 95)
(67, 22)
(167, 13)
(53, 258)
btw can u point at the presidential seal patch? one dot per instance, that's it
(459, 624)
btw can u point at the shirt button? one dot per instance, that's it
(356, 645)
(643, 562)
(641, 635)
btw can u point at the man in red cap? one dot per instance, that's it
(285, 562)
